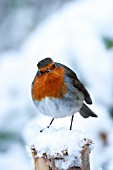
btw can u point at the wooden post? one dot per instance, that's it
(85, 156)
(46, 163)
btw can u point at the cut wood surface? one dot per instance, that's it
(46, 163)
(40, 164)
(85, 156)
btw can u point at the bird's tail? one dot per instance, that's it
(86, 112)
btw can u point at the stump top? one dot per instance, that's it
(62, 145)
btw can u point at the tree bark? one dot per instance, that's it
(45, 163)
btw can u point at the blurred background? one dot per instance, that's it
(76, 33)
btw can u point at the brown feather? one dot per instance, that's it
(78, 84)
(49, 85)
(81, 87)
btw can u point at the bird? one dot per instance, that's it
(57, 92)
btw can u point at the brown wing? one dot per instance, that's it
(77, 83)
(81, 87)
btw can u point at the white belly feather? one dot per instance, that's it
(58, 108)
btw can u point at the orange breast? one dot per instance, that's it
(49, 85)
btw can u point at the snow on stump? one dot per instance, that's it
(60, 149)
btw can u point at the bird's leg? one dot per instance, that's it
(71, 122)
(50, 123)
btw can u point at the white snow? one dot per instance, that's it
(14, 158)
(74, 37)
(54, 141)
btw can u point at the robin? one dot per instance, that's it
(57, 91)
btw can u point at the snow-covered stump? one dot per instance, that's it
(48, 162)
(60, 149)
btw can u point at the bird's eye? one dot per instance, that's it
(41, 72)
(54, 65)
(48, 70)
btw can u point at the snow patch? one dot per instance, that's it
(54, 141)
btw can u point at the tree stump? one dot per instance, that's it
(47, 162)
